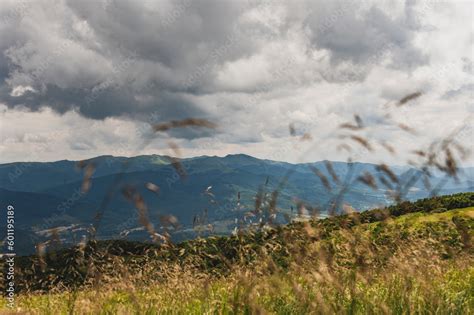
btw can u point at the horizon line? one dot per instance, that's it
(210, 156)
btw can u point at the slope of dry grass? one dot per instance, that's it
(418, 263)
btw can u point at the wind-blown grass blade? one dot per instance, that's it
(364, 142)
(89, 170)
(178, 166)
(451, 165)
(359, 121)
(359, 124)
(292, 130)
(331, 171)
(409, 98)
(388, 147)
(190, 122)
(175, 148)
(407, 128)
(169, 220)
(322, 177)
(368, 180)
(386, 169)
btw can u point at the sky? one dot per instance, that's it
(80, 79)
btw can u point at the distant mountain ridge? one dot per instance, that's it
(48, 195)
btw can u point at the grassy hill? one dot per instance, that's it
(414, 257)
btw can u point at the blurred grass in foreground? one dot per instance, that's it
(417, 263)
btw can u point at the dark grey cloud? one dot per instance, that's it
(363, 33)
(120, 59)
(133, 58)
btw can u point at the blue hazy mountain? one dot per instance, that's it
(216, 191)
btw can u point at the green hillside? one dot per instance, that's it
(414, 257)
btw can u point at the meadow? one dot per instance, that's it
(411, 258)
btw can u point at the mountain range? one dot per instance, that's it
(204, 195)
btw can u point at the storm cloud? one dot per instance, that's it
(309, 62)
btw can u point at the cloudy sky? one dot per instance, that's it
(85, 78)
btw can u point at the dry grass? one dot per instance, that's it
(411, 264)
(446, 290)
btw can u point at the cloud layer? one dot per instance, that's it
(109, 67)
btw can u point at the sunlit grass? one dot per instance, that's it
(375, 268)
(448, 291)
(420, 217)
